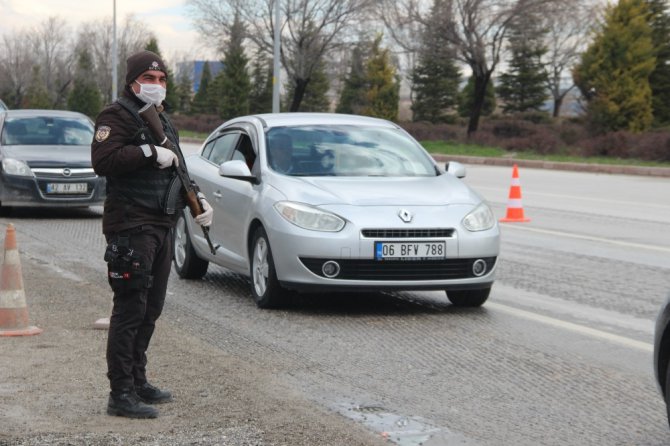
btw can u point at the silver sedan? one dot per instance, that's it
(316, 202)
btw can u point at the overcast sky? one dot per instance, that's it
(167, 18)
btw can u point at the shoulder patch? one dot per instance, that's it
(102, 133)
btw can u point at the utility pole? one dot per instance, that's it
(115, 58)
(276, 69)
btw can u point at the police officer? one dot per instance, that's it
(137, 223)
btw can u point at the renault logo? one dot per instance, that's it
(405, 215)
(67, 172)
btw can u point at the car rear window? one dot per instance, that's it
(46, 130)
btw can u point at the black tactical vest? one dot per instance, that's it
(149, 187)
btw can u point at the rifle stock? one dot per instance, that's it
(149, 115)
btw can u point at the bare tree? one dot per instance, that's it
(52, 46)
(478, 30)
(16, 61)
(310, 30)
(567, 24)
(97, 36)
(214, 19)
(405, 21)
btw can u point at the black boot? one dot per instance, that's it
(126, 403)
(152, 395)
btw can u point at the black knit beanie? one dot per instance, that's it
(140, 62)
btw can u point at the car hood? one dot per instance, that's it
(378, 191)
(50, 156)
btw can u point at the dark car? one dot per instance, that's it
(662, 353)
(45, 158)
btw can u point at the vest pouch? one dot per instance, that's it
(126, 271)
(173, 200)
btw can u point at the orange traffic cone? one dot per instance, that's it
(514, 206)
(13, 310)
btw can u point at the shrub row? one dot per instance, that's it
(515, 134)
(196, 123)
(568, 137)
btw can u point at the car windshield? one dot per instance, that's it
(47, 130)
(346, 150)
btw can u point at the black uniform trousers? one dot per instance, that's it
(135, 311)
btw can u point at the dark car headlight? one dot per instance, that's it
(13, 166)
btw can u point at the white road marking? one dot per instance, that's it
(621, 340)
(588, 237)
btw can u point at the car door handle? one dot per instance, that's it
(217, 194)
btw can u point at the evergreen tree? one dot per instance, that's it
(85, 96)
(315, 98)
(37, 95)
(172, 93)
(466, 99)
(524, 86)
(202, 102)
(659, 80)
(260, 96)
(383, 87)
(613, 74)
(235, 86)
(184, 92)
(352, 96)
(436, 78)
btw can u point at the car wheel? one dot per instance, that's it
(5, 210)
(667, 394)
(469, 298)
(264, 284)
(186, 261)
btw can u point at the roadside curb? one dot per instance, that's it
(554, 165)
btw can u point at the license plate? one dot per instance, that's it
(410, 250)
(66, 188)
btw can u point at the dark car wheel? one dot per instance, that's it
(265, 287)
(186, 261)
(5, 210)
(469, 298)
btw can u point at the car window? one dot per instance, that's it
(207, 150)
(47, 130)
(245, 151)
(347, 150)
(223, 147)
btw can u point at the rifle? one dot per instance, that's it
(149, 115)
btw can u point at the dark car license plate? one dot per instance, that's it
(67, 188)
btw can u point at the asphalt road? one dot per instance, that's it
(559, 355)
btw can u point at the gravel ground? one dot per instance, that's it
(54, 391)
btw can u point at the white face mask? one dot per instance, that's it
(151, 93)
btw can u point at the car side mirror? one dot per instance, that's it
(238, 170)
(455, 168)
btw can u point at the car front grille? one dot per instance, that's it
(408, 233)
(64, 173)
(394, 270)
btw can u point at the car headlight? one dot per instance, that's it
(13, 166)
(308, 217)
(480, 219)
